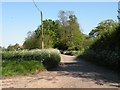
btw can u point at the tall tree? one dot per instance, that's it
(103, 26)
(34, 39)
(62, 34)
(70, 34)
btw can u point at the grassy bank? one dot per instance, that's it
(25, 62)
(13, 67)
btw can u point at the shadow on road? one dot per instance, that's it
(88, 71)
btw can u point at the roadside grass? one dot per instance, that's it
(26, 62)
(22, 67)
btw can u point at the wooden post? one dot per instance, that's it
(42, 30)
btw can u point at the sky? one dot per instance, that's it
(20, 17)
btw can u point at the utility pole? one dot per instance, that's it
(42, 30)
(41, 23)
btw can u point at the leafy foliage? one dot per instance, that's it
(49, 57)
(62, 34)
(53, 60)
(34, 39)
(70, 35)
(102, 27)
(106, 49)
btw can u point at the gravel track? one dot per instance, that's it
(72, 73)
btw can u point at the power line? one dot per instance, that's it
(36, 6)
(41, 23)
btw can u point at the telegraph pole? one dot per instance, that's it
(42, 30)
(41, 21)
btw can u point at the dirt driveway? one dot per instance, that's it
(71, 73)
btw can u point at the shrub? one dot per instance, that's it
(49, 57)
(107, 58)
(105, 50)
(53, 59)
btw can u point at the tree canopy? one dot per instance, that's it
(63, 33)
(102, 27)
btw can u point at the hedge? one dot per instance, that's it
(49, 57)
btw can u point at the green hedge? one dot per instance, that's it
(50, 58)
(107, 58)
(36, 54)
(105, 50)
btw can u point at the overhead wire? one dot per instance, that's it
(41, 23)
(36, 6)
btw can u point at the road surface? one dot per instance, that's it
(71, 73)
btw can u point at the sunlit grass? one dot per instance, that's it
(23, 67)
(25, 62)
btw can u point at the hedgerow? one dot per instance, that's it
(25, 61)
(36, 54)
(105, 50)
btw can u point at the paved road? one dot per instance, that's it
(71, 73)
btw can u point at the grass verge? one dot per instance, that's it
(22, 67)
(26, 62)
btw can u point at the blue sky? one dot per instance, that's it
(20, 17)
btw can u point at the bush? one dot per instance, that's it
(49, 57)
(105, 50)
(53, 59)
(107, 58)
